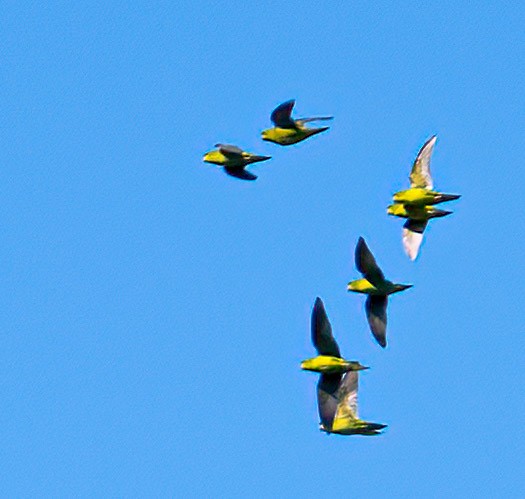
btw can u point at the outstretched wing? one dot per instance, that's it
(376, 314)
(230, 151)
(300, 121)
(322, 337)
(327, 398)
(282, 115)
(366, 264)
(420, 175)
(413, 236)
(240, 173)
(347, 396)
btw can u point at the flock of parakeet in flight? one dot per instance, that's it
(337, 386)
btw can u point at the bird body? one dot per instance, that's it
(289, 136)
(418, 213)
(234, 160)
(217, 157)
(286, 130)
(329, 364)
(348, 425)
(386, 288)
(417, 196)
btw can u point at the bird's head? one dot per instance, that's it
(399, 196)
(266, 134)
(214, 157)
(309, 365)
(397, 210)
(353, 286)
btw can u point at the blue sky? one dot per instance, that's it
(155, 311)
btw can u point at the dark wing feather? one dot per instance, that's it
(375, 306)
(229, 150)
(322, 337)
(327, 398)
(366, 264)
(281, 115)
(418, 226)
(240, 173)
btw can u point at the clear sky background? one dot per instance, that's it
(154, 311)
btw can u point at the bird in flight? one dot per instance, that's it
(376, 287)
(234, 160)
(415, 204)
(286, 130)
(328, 360)
(337, 386)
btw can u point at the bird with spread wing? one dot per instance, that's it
(376, 287)
(416, 204)
(234, 160)
(287, 130)
(337, 386)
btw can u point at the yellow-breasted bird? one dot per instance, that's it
(414, 203)
(336, 395)
(287, 130)
(421, 184)
(328, 360)
(376, 287)
(234, 160)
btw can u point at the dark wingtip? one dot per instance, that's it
(361, 243)
(358, 251)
